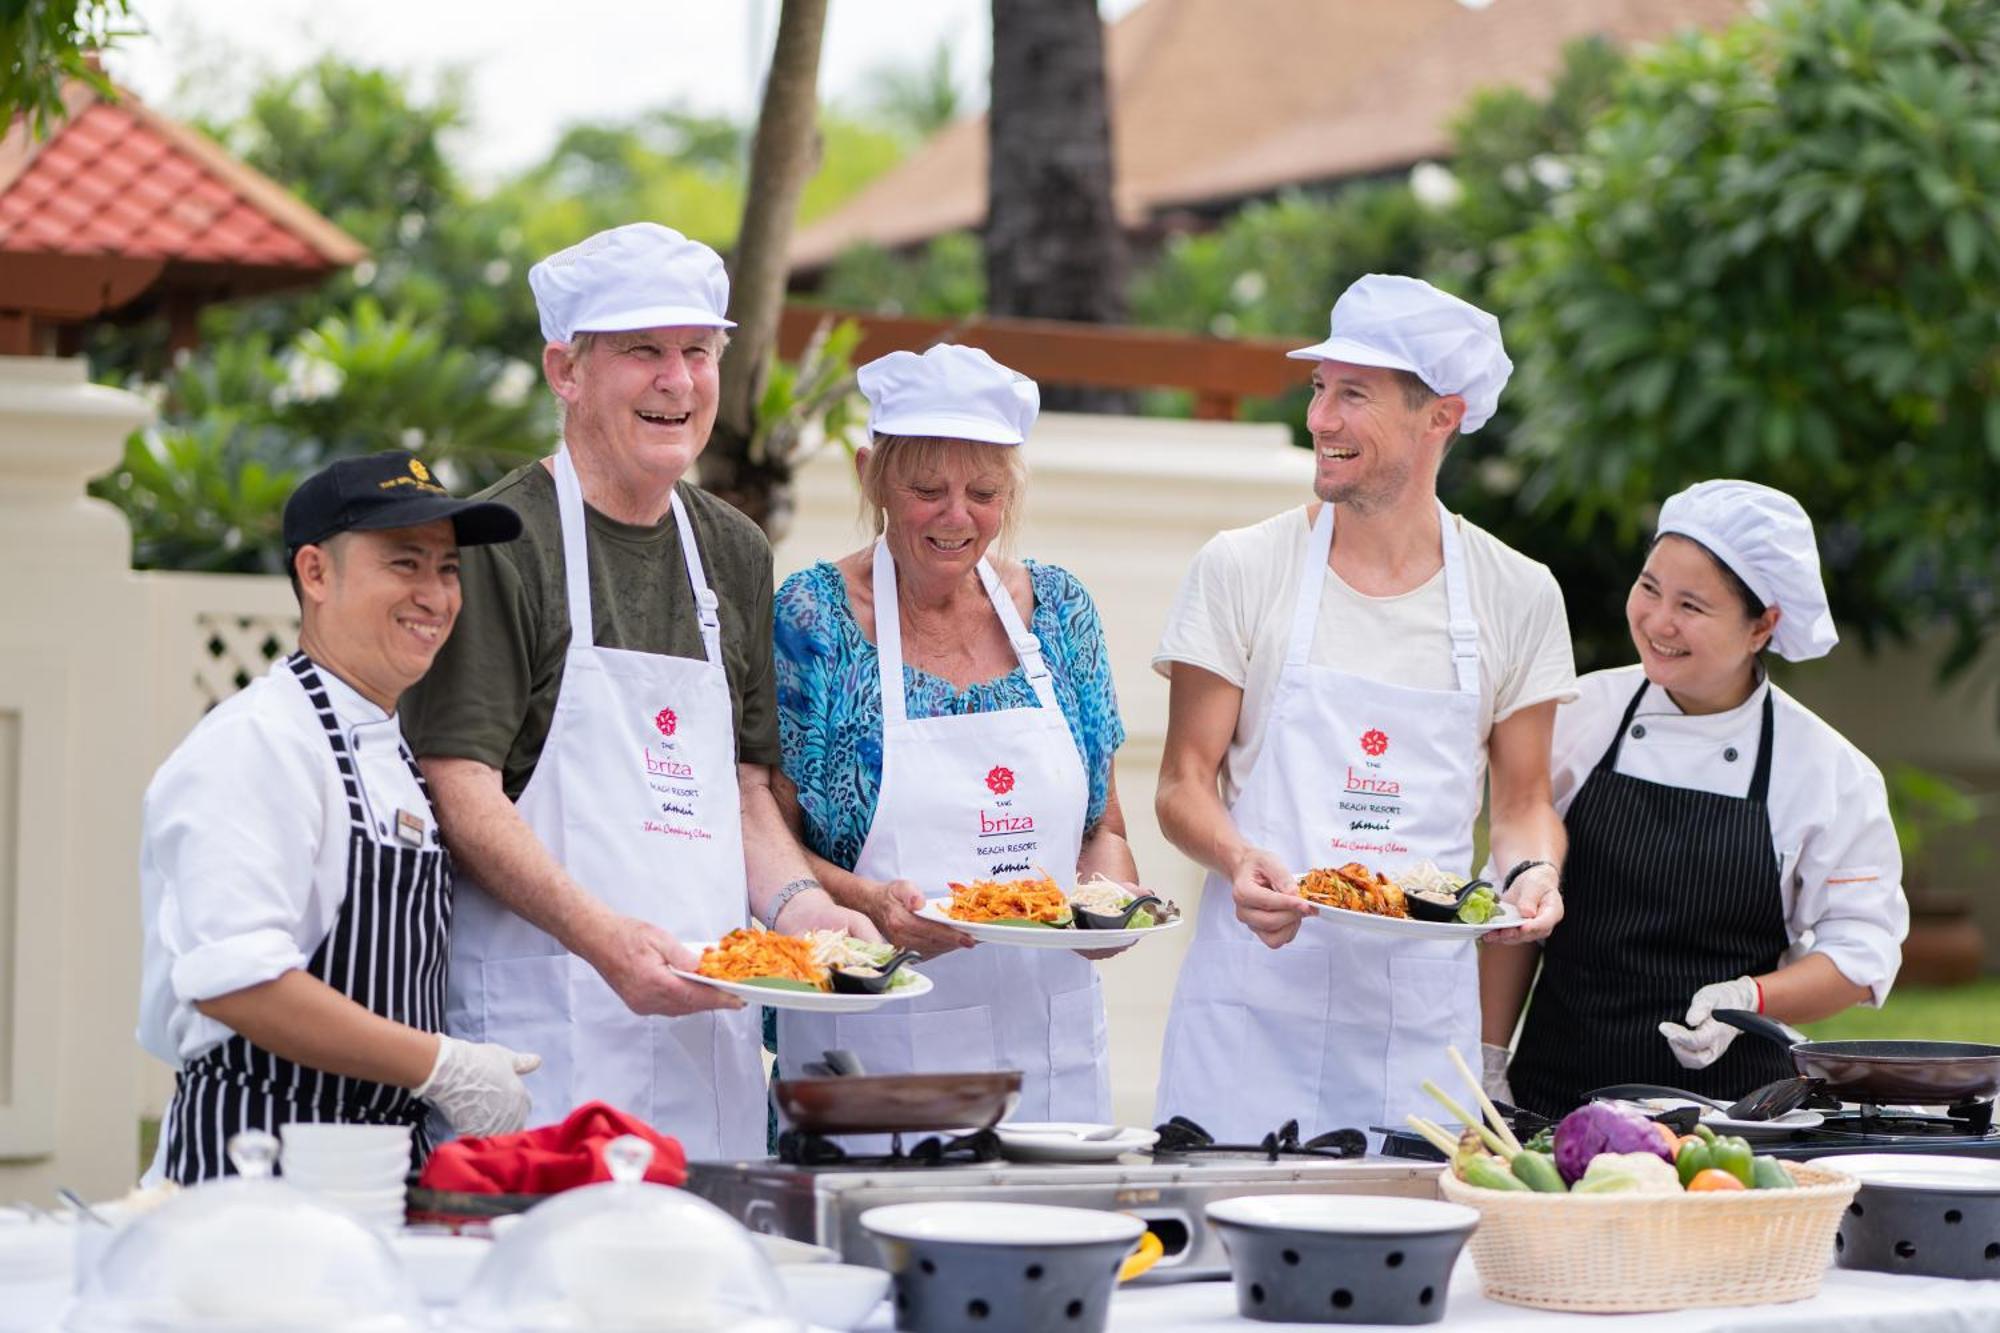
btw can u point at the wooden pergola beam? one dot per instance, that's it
(1219, 371)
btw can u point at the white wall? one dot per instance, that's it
(1123, 503)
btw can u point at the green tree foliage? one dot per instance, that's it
(917, 100)
(46, 43)
(244, 422)
(1780, 259)
(945, 280)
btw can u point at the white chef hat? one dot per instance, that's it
(1766, 539)
(953, 392)
(638, 276)
(1401, 323)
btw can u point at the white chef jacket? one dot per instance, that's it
(1840, 869)
(243, 848)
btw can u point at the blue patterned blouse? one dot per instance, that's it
(830, 698)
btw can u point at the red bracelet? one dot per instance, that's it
(1760, 993)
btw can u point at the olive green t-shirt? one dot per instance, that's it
(492, 690)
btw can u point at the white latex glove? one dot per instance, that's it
(1493, 1072)
(1702, 1042)
(478, 1088)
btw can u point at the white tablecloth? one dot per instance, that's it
(1848, 1302)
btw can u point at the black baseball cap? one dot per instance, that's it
(388, 490)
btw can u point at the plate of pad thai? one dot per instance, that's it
(1036, 912)
(1361, 897)
(796, 971)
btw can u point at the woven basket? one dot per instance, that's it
(1624, 1253)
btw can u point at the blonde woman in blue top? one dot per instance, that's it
(946, 714)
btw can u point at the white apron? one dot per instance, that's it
(1001, 795)
(635, 794)
(1340, 1027)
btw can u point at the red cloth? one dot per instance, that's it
(551, 1158)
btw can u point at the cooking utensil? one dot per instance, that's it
(1425, 910)
(894, 1103)
(84, 1210)
(1884, 1072)
(1766, 1103)
(859, 983)
(1089, 920)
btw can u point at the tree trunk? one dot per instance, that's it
(783, 156)
(1053, 246)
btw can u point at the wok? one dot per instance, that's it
(1881, 1072)
(895, 1103)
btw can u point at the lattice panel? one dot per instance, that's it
(235, 650)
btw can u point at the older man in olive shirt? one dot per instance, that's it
(599, 736)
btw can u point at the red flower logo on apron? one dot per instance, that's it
(1000, 781)
(1374, 742)
(666, 721)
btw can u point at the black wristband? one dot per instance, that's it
(1521, 868)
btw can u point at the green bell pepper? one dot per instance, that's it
(1771, 1174)
(1693, 1159)
(1732, 1154)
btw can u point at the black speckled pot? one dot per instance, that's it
(1313, 1274)
(1926, 1233)
(967, 1278)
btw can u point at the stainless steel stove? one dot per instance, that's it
(823, 1203)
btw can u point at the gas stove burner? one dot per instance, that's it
(1182, 1137)
(1963, 1120)
(799, 1148)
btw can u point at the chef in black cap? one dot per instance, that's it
(296, 899)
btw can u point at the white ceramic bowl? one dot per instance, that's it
(838, 1296)
(324, 1139)
(441, 1267)
(969, 1222)
(784, 1250)
(1344, 1214)
(371, 1185)
(393, 1196)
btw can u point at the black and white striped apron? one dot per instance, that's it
(1665, 890)
(387, 951)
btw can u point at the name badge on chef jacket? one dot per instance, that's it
(410, 828)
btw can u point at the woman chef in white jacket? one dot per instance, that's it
(1727, 848)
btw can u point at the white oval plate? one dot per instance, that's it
(1918, 1171)
(1057, 1141)
(1344, 1214)
(1411, 928)
(1756, 1130)
(971, 1222)
(1041, 937)
(822, 1002)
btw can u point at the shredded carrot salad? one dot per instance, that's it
(749, 955)
(1016, 899)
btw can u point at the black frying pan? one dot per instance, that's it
(894, 1103)
(1923, 1072)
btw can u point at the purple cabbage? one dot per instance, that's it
(1590, 1130)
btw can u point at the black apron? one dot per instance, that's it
(387, 951)
(1665, 890)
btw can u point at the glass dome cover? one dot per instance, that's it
(247, 1253)
(626, 1256)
